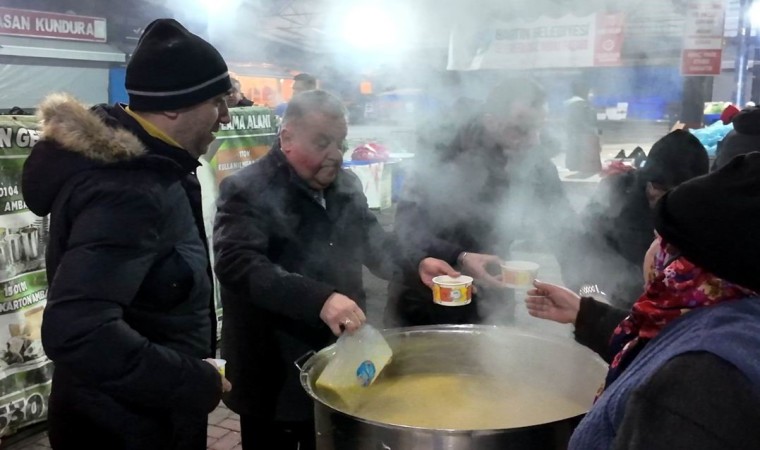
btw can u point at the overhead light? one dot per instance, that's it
(217, 7)
(372, 27)
(754, 15)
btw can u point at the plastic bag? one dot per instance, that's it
(710, 136)
(371, 151)
(359, 359)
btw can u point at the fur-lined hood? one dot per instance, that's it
(74, 139)
(81, 130)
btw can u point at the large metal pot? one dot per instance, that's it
(559, 365)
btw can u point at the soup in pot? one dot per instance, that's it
(455, 401)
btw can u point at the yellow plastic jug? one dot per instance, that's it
(359, 359)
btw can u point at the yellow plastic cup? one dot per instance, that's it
(452, 291)
(220, 364)
(519, 274)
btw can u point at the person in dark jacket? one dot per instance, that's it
(291, 235)
(743, 139)
(618, 220)
(237, 98)
(582, 133)
(491, 186)
(301, 83)
(684, 370)
(129, 321)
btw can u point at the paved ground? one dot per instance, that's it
(223, 434)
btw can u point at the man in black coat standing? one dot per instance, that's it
(291, 235)
(618, 220)
(129, 321)
(491, 186)
(582, 143)
(237, 98)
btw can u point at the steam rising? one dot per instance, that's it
(338, 39)
(404, 45)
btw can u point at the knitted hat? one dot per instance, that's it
(728, 114)
(172, 68)
(675, 158)
(713, 220)
(744, 138)
(747, 121)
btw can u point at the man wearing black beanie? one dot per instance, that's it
(130, 319)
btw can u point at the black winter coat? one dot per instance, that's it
(279, 255)
(129, 318)
(696, 400)
(582, 137)
(619, 230)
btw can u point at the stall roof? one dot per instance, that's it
(59, 49)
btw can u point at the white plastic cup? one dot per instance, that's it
(452, 291)
(220, 364)
(519, 274)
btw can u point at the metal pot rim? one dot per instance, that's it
(312, 357)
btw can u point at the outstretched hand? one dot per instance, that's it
(552, 302)
(476, 266)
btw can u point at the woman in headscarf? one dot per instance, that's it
(685, 361)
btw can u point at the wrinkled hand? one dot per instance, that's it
(552, 302)
(340, 310)
(431, 267)
(226, 385)
(476, 266)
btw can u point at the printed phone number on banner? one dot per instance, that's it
(25, 410)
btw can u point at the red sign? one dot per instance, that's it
(701, 62)
(21, 22)
(609, 39)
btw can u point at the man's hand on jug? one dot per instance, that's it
(341, 313)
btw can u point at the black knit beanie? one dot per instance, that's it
(714, 221)
(172, 68)
(675, 158)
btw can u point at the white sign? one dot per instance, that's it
(703, 37)
(569, 41)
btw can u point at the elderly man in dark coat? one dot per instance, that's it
(291, 236)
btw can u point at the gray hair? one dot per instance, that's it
(316, 101)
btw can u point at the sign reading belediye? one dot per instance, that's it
(546, 42)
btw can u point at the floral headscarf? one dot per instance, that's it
(675, 287)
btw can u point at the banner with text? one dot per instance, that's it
(703, 37)
(249, 136)
(22, 22)
(25, 371)
(564, 42)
